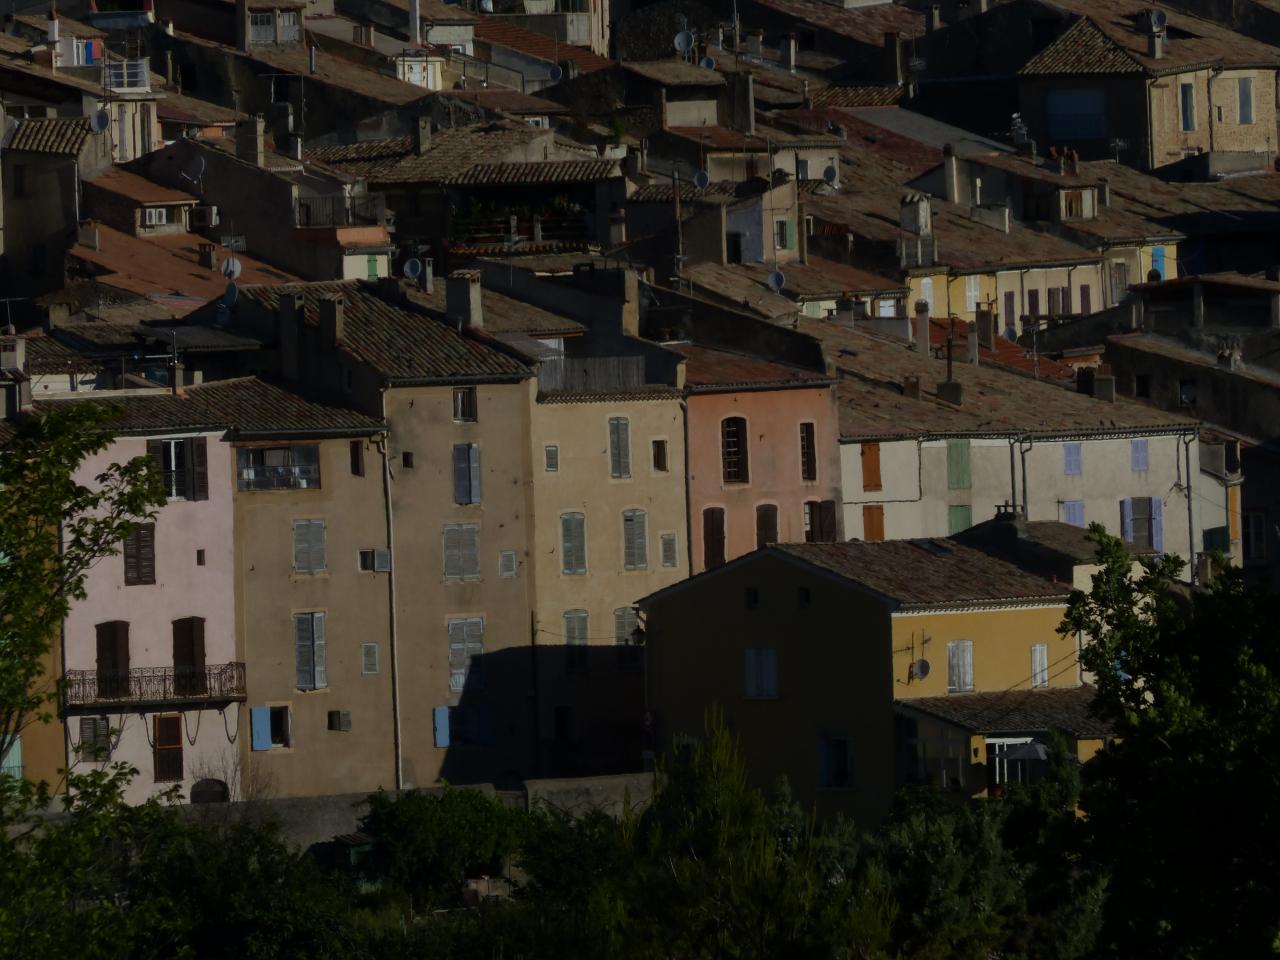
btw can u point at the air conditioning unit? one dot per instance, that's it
(204, 216)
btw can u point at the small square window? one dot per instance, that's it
(660, 456)
(368, 658)
(508, 564)
(406, 459)
(366, 560)
(464, 404)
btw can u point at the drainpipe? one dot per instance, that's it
(688, 500)
(1024, 447)
(391, 603)
(1187, 440)
(1151, 140)
(1013, 476)
(1209, 89)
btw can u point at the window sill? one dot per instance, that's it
(951, 693)
(308, 690)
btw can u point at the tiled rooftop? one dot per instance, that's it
(506, 315)
(402, 343)
(866, 95)
(927, 573)
(66, 26)
(139, 189)
(712, 370)
(866, 25)
(181, 108)
(873, 403)
(674, 73)
(508, 101)
(548, 171)
(48, 355)
(504, 33)
(1017, 711)
(1003, 538)
(61, 135)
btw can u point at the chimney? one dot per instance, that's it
(332, 310)
(951, 391)
(415, 22)
(242, 26)
(895, 71)
(755, 41)
(789, 52)
(428, 275)
(51, 26)
(56, 315)
(846, 312)
(1155, 45)
(208, 256)
(985, 322)
(1104, 192)
(249, 140)
(971, 338)
(720, 36)
(462, 300)
(391, 290)
(422, 136)
(911, 387)
(920, 337)
(87, 234)
(295, 146)
(915, 215)
(1104, 383)
(362, 34)
(935, 17)
(950, 173)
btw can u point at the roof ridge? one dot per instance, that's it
(1083, 23)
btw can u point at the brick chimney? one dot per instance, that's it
(462, 300)
(422, 136)
(250, 143)
(332, 321)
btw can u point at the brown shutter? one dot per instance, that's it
(198, 469)
(766, 525)
(168, 749)
(357, 458)
(712, 537)
(827, 521)
(155, 450)
(871, 466)
(122, 646)
(147, 553)
(131, 559)
(872, 523)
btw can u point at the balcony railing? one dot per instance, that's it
(128, 74)
(221, 682)
(336, 210)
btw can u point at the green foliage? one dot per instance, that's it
(1181, 811)
(52, 530)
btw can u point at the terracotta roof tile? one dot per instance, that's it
(66, 26)
(1017, 711)
(47, 355)
(549, 171)
(120, 181)
(183, 108)
(508, 101)
(866, 25)
(505, 33)
(61, 135)
(712, 370)
(927, 573)
(1082, 48)
(866, 95)
(674, 73)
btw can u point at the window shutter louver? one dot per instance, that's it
(260, 727)
(1072, 459)
(766, 524)
(457, 655)
(827, 521)
(440, 726)
(619, 447)
(634, 546)
(303, 659)
(1126, 520)
(967, 653)
(573, 543)
(553, 458)
(155, 450)
(473, 454)
(1138, 455)
(316, 547)
(368, 658)
(147, 553)
(318, 650)
(669, 550)
(199, 471)
(1157, 524)
(131, 575)
(452, 552)
(461, 474)
(470, 552)
(871, 466)
(958, 465)
(301, 546)
(474, 635)
(122, 649)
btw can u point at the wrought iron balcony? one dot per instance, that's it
(122, 76)
(153, 686)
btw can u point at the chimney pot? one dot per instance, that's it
(920, 337)
(1155, 46)
(428, 275)
(789, 52)
(935, 17)
(462, 300)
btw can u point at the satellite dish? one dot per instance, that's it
(708, 62)
(229, 296)
(486, 6)
(231, 268)
(1159, 20)
(556, 74)
(195, 169)
(776, 281)
(920, 669)
(830, 174)
(100, 121)
(684, 41)
(701, 179)
(412, 268)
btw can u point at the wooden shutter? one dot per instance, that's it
(469, 550)
(712, 537)
(453, 551)
(552, 453)
(168, 749)
(260, 727)
(1086, 299)
(473, 633)
(1138, 455)
(669, 550)
(966, 658)
(635, 547)
(573, 543)
(955, 670)
(357, 458)
(368, 658)
(440, 726)
(871, 467)
(766, 524)
(873, 523)
(827, 528)
(1126, 520)
(1157, 524)
(958, 477)
(318, 650)
(131, 575)
(473, 467)
(155, 450)
(461, 473)
(751, 672)
(304, 660)
(147, 553)
(619, 447)
(768, 667)
(198, 473)
(808, 453)
(1072, 459)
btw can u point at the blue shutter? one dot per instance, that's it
(1071, 459)
(1157, 261)
(473, 463)
(1157, 524)
(1138, 455)
(440, 718)
(1073, 512)
(260, 723)
(1126, 520)
(461, 473)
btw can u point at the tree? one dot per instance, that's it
(1181, 810)
(52, 530)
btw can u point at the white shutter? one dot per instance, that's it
(507, 563)
(573, 543)
(318, 650)
(457, 655)
(1039, 665)
(966, 658)
(470, 551)
(303, 651)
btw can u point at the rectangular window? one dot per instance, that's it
(761, 673)
(808, 454)
(959, 666)
(820, 521)
(1055, 301)
(368, 658)
(183, 465)
(464, 405)
(270, 728)
(873, 523)
(156, 216)
(959, 517)
(1142, 523)
(781, 234)
(971, 293)
(11, 762)
(95, 739)
(833, 763)
(552, 454)
(668, 547)
(1039, 665)
(1188, 98)
(958, 477)
(308, 546)
(462, 551)
(113, 659)
(466, 473)
(619, 448)
(766, 524)
(295, 467)
(660, 456)
(262, 28)
(1072, 459)
(466, 642)
(167, 737)
(140, 556)
(375, 560)
(1086, 299)
(733, 450)
(712, 537)
(1073, 204)
(1244, 93)
(573, 543)
(575, 640)
(508, 564)
(1033, 303)
(309, 651)
(357, 458)
(802, 169)
(870, 453)
(1138, 455)
(628, 651)
(1254, 536)
(1073, 512)
(635, 545)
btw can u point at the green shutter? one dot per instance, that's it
(959, 517)
(373, 266)
(958, 465)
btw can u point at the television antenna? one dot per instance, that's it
(1117, 144)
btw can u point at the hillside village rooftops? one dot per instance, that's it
(716, 370)
(504, 315)
(122, 182)
(747, 284)
(674, 73)
(66, 26)
(244, 407)
(1109, 36)
(406, 345)
(49, 355)
(1009, 538)
(181, 108)
(1005, 712)
(437, 11)
(505, 33)
(927, 573)
(862, 95)
(865, 24)
(875, 402)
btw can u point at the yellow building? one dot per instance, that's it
(815, 651)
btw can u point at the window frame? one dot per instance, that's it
(1072, 458)
(310, 524)
(964, 654)
(464, 672)
(1244, 95)
(467, 474)
(1039, 666)
(619, 448)
(168, 750)
(466, 405)
(577, 639)
(1187, 107)
(808, 452)
(659, 453)
(760, 673)
(664, 538)
(295, 475)
(735, 465)
(471, 529)
(551, 458)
